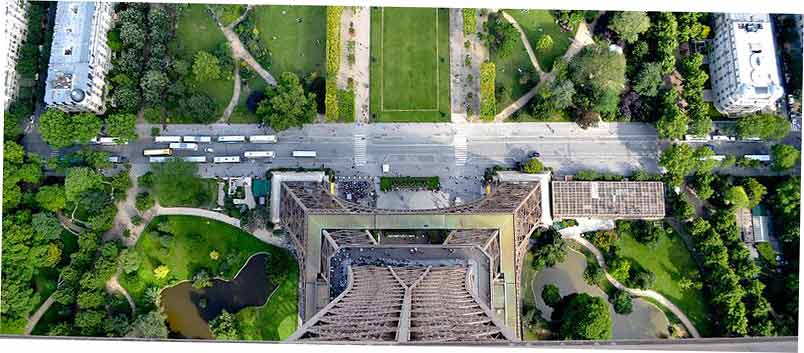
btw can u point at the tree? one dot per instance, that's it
(502, 36)
(51, 197)
(784, 157)
(673, 123)
(144, 201)
(649, 79)
(620, 269)
(665, 32)
(150, 325)
(79, 180)
(154, 83)
(678, 161)
(755, 191)
(598, 68)
(122, 127)
(202, 280)
(85, 126)
(550, 295)
(545, 42)
(206, 67)
(702, 182)
(224, 327)
(533, 166)
(199, 107)
(89, 321)
(550, 249)
(46, 227)
(287, 105)
(764, 126)
(604, 239)
(56, 128)
(176, 183)
(585, 318)
(737, 197)
(593, 274)
(161, 272)
(629, 25)
(621, 301)
(130, 261)
(127, 98)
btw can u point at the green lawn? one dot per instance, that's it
(537, 23)
(277, 319)
(196, 31)
(410, 65)
(293, 46)
(671, 261)
(188, 251)
(528, 273)
(507, 77)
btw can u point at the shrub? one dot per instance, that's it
(550, 295)
(391, 183)
(346, 105)
(469, 21)
(144, 202)
(621, 302)
(333, 39)
(593, 274)
(488, 102)
(331, 100)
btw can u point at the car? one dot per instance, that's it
(209, 150)
(117, 159)
(534, 154)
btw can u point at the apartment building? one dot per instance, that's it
(80, 57)
(15, 32)
(743, 64)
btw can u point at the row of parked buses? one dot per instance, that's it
(160, 155)
(219, 139)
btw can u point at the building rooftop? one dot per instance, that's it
(70, 52)
(755, 51)
(610, 199)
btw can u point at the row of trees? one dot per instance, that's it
(60, 129)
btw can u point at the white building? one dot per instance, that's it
(743, 64)
(79, 57)
(15, 32)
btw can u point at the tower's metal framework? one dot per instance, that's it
(410, 303)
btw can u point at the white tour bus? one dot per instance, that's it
(158, 159)
(167, 139)
(231, 139)
(259, 154)
(304, 154)
(694, 138)
(184, 146)
(105, 141)
(716, 158)
(262, 139)
(198, 139)
(158, 152)
(227, 159)
(195, 159)
(758, 157)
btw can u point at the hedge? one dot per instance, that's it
(333, 61)
(391, 183)
(331, 99)
(346, 105)
(488, 102)
(469, 21)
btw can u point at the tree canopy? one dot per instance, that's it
(629, 25)
(287, 105)
(61, 130)
(764, 126)
(784, 157)
(206, 67)
(122, 127)
(649, 79)
(176, 183)
(533, 166)
(502, 36)
(586, 318)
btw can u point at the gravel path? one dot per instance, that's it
(637, 292)
(239, 51)
(34, 319)
(359, 72)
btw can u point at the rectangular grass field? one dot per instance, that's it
(410, 65)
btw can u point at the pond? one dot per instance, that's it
(189, 309)
(646, 321)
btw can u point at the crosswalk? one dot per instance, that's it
(360, 150)
(460, 145)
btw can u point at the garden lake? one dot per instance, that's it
(189, 310)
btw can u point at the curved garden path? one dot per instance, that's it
(239, 51)
(112, 285)
(34, 319)
(633, 291)
(526, 42)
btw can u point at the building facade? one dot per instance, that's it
(743, 64)
(80, 57)
(15, 33)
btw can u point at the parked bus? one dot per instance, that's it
(717, 158)
(158, 152)
(259, 154)
(158, 159)
(198, 139)
(262, 139)
(304, 154)
(184, 146)
(695, 138)
(195, 159)
(227, 159)
(117, 159)
(231, 139)
(751, 139)
(167, 139)
(758, 157)
(106, 141)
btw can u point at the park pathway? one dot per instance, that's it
(235, 96)
(359, 70)
(239, 51)
(34, 319)
(112, 285)
(633, 291)
(581, 39)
